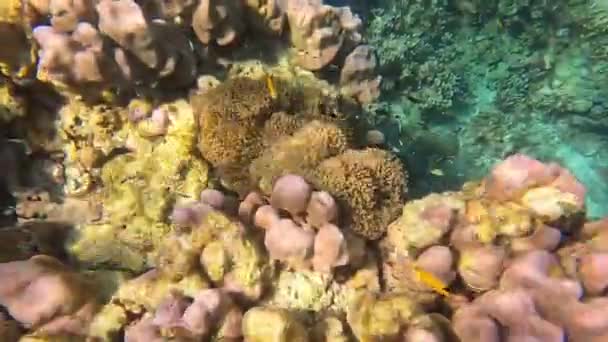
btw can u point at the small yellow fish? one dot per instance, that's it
(271, 89)
(437, 172)
(430, 280)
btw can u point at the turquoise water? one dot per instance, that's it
(467, 83)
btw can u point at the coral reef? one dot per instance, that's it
(260, 143)
(288, 265)
(206, 170)
(139, 188)
(101, 49)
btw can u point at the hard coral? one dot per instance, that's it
(319, 31)
(74, 58)
(358, 78)
(546, 189)
(272, 325)
(66, 14)
(218, 21)
(291, 193)
(265, 16)
(293, 241)
(211, 313)
(139, 190)
(156, 45)
(369, 185)
(46, 296)
(377, 317)
(74, 54)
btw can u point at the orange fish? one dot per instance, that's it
(430, 280)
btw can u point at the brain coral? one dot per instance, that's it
(370, 186)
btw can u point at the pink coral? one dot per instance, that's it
(322, 209)
(438, 260)
(218, 21)
(291, 193)
(190, 214)
(66, 14)
(319, 31)
(266, 216)
(287, 241)
(548, 190)
(143, 330)
(330, 249)
(249, 206)
(77, 58)
(213, 198)
(193, 320)
(594, 273)
(481, 267)
(544, 237)
(43, 294)
(154, 44)
(515, 175)
(358, 77)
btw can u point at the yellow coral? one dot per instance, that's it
(241, 256)
(215, 261)
(138, 191)
(148, 290)
(17, 56)
(411, 233)
(272, 325)
(303, 290)
(10, 11)
(375, 317)
(108, 322)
